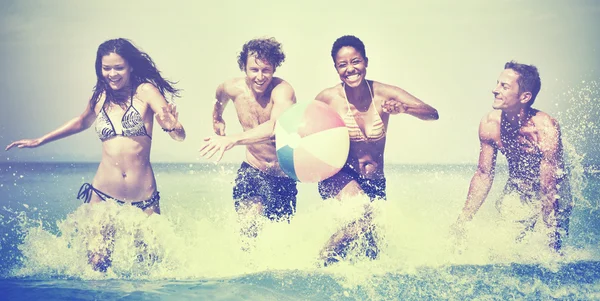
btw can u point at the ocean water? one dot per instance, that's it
(193, 251)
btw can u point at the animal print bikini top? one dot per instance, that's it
(131, 122)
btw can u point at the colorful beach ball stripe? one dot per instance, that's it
(312, 141)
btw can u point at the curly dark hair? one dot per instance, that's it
(529, 78)
(144, 70)
(267, 49)
(351, 41)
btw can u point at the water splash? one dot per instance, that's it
(197, 239)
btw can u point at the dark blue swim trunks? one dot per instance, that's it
(374, 188)
(277, 194)
(531, 194)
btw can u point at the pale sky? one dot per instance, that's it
(447, 53)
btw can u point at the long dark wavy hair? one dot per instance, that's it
(144, 70)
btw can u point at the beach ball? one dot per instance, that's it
(312, 141)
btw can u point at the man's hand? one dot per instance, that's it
(216, 145)
(458, 236)
(219, 127)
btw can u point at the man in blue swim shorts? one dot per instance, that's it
(261, 187)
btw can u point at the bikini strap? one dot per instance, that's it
(373, 99)
(153, 200)
(346, 97)
(370, 91)
(85, 193)
(131, 97)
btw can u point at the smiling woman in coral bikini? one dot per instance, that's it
(129, 93)
(365, 106)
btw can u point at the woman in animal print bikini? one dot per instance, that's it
(129, 92)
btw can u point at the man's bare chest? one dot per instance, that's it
(252, 112)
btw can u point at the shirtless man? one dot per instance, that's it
(531, 141)
(261, 187)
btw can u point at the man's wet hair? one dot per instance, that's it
(266, 49)
(529, 78)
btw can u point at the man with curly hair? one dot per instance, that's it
(261, 187)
